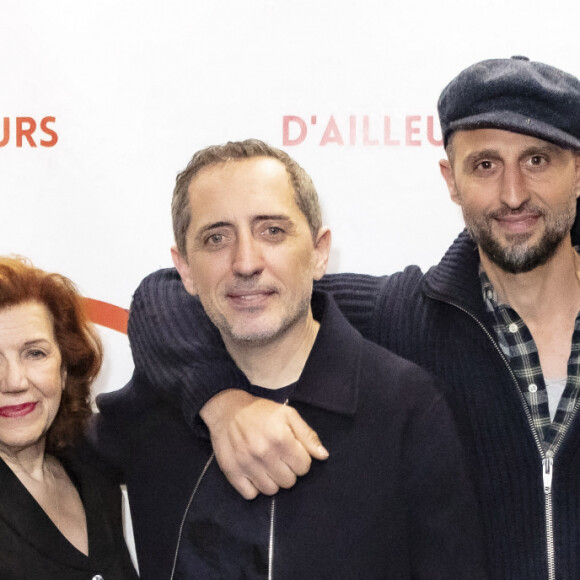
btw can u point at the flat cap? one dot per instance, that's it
(516, 95)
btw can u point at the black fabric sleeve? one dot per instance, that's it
(175, 345)
(179, 350)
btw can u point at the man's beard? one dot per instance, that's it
(516, 256)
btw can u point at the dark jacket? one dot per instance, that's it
(437, 320)
(32, 548)
(392, 501)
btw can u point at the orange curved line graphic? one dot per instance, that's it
(108, 315)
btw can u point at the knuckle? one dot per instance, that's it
(303, 467)
(262, 452)
(288, 482)
(247, 493)
(270, 489)
(313, 436)
(291, 412)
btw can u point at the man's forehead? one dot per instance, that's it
(246, 192)
(256, 183)
(466, 140)
(258, 169)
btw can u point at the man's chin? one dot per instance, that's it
(258, 335)
(520, 258)
(519, 241)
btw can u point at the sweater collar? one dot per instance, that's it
(329, 379)
(456, 278)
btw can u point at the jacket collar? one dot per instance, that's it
(21, 511)
(456, 278)
(330, 378)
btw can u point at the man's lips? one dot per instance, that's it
(249, 297)
(17, 410)
(520, 222)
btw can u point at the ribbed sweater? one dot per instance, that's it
(437, 320)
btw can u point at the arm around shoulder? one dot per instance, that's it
(176, 346)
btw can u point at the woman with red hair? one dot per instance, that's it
(60, 519)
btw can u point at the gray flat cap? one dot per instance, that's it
(516, 95)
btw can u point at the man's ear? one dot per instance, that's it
(184, 270)
(447, 172)
(321, 252)
(577, 167)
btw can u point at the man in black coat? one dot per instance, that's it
(250, 243)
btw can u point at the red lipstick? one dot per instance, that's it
(17, 410)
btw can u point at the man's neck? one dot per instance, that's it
(280, 362)
(552, 289)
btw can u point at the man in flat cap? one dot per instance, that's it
(497, 320)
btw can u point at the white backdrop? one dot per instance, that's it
(122, 93)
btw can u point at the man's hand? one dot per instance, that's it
(260, 446)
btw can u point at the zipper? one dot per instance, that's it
(179, 535)
(547, 457)
(270, 535)
(548, 474)
(272, 530)
(271, 539)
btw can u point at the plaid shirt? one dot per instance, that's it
(517, 344)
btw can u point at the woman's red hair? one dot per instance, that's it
(79, 345)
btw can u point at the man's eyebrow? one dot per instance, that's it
(212, 226)
(548, 148)
(266, 217)
(288, 222)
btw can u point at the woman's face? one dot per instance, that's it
(31, 380)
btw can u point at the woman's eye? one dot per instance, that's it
(36, 353)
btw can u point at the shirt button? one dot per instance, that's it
(98, 577)
(532, 388)
(513, 327)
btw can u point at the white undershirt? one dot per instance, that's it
(554, 388)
